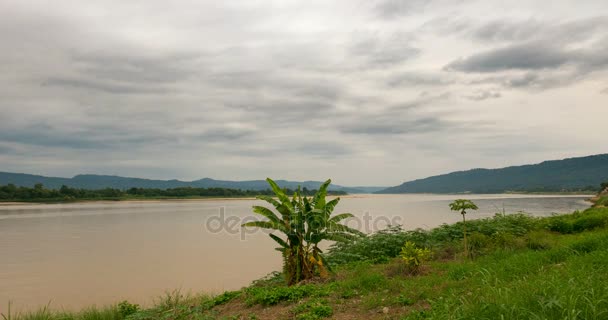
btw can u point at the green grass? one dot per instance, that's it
(522, 268)
(602, 201)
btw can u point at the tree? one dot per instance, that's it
(305, 222)
(462, 205)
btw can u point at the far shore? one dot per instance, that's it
(199, 199)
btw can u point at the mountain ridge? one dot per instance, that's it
(95, 181)
(570, 174)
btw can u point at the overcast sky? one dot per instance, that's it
(365, 92)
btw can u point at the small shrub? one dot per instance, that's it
(586, 246)
(538, 240)
(126, 309)
(272, 296)
(506, 240)
(220, 299)
(478, 242)
(313, 310)
(560, 224)
(589, 222)
(413, 257)
(379, 247)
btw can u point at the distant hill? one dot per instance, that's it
(92, 181)
(549, 176)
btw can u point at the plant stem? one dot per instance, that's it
(464, 228)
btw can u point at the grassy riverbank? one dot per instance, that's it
(521, 268)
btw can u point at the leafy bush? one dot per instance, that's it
(560, 224)
(413, 257)
(603, 201)
(313, 310)
(589, 222)
(477, 243)
(272, 295)
(505, 230)
(221, 299)
(538, 240)
(515, 224)
(126, 309)
(505, 240)
(579, 221)
(378, 247)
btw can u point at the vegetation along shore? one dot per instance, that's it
(515, 267)
(12, 193)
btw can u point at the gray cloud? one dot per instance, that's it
(403, 118)
(415, 79)
(528, 56)
(248, 90)
(383, 52)
(484, 95)
(390, 9)
(531, 29)
(6, 149)
(94, 85)
(382, 125)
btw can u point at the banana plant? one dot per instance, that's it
(304, 222)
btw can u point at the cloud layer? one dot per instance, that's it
(368, 93)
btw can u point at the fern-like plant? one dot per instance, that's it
(304, 223)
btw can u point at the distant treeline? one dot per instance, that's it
(11, 192)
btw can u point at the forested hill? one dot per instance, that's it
(94, 182)
(574, 174)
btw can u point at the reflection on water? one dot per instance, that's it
(75, 255)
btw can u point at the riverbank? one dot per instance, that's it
(210, 198)
(522, 267)
(123, 200)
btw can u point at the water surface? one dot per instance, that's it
(80, 254)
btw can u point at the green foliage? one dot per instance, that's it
(39, 193)
(413, 257)
(379, 247)
(305, 222)
(126, 309)
(225, 297)
(462, 205)
(268, 296)
(578, 221)
(478, 242)
(361, 279)
(602, 201)
(503, 231)
(313, 309)
(539, 240)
